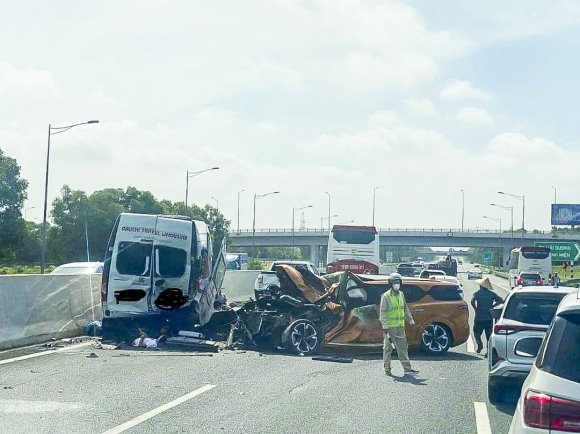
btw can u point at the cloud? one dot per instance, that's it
(462, 90)
(266, 74)
(30, 81)
(474, 115)
(421, 107)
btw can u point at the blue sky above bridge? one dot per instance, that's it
(301, 97)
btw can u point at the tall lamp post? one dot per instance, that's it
(374, 200)
(462, 209)
(26, 209)
(256, 197)
(328, 194)
(322, 222)
(499, 239)
(511, 209)
(555, 201)
(294, 211)
(239, 192)
(217, 204)
(523, 199)
(57, 130)
(191, 175)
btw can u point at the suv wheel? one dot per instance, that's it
(302, 337)
(436, 339)
(495, 393)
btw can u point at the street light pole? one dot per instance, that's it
(256, 197)
(511, 209)
(26, 209)
(462, 209)
(374, 198)
(239, 192)
(499, 239)
(554, 188)
(217, 204)
(328, 194)
(523, 199)
(345, 223)
(191, 175)
(44, 223)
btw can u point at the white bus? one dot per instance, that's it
(353, 248)
(531, 259)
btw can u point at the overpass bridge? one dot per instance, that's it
(317, 240)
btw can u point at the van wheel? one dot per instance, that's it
(495, 393)
(302, 337)
(436, 339)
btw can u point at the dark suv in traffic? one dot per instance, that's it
(406, 269)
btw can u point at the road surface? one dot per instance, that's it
(241, 392)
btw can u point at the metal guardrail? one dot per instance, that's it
(381, 230)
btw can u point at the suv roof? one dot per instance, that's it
(570, 303)
(535, 289)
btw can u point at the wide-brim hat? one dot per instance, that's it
(485, 283)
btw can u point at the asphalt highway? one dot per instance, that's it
(116, 391)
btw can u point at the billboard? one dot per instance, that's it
(565, 214)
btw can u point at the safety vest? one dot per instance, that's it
(396, 316)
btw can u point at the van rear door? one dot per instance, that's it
(130, 270)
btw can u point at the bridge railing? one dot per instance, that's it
(383, 230)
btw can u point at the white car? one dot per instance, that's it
(550, 399)
(474, 273)
(79, 268)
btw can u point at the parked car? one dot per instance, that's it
(474, 273)
(79, 268)
(521, 324)
(427, 274)
(526, 278)
(406, 269)
(349, 320)
(267, 278)
(550, 398)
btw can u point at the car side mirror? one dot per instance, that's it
(528, 347)
(496, 312)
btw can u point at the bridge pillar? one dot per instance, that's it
(315, 254)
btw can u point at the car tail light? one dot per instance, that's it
(506, 329)
(495, 358)
(520, 281)
(548, 412)
(540, 282)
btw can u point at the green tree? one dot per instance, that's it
(12, 197)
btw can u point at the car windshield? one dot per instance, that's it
(532, 308)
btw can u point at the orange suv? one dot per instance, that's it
(441, 316)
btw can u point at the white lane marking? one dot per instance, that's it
(45, 353)
(482, 418)
(152, 413)
(26, 407)
(470, 345)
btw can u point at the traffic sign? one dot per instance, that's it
(487, 258)
(561, 250)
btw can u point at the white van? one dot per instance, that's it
(159, 268)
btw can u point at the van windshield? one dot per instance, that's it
(169, 261)
(133, 259)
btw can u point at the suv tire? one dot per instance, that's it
(495, 393)
(436, 339)
(302, 337)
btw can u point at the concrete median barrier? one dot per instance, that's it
(36, 308)
(239, 284)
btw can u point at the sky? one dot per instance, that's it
(421, 99)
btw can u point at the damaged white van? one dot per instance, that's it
(158, 272)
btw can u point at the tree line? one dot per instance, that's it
(77, 216)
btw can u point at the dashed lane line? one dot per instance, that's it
(482, 418)
(45, 353)
(152, 413)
